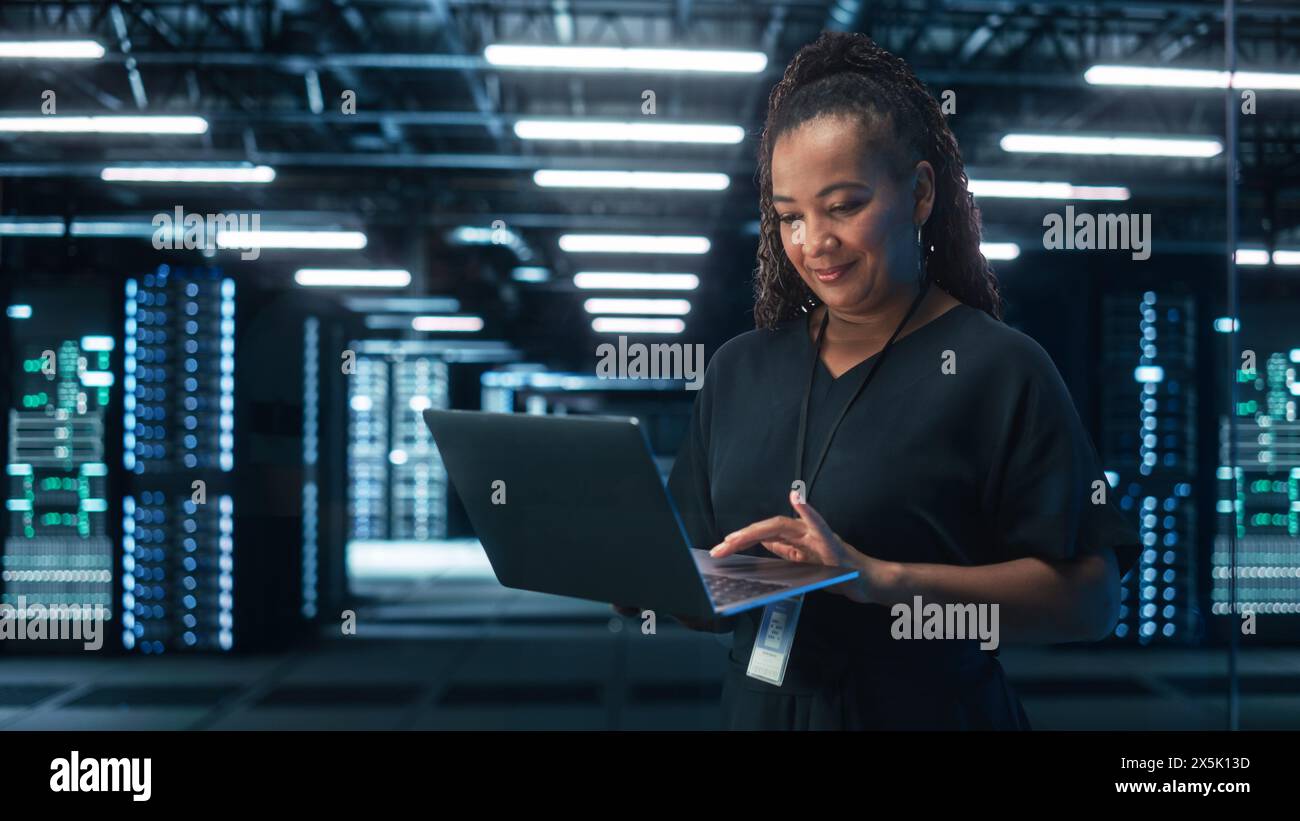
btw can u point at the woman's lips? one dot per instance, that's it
(832, 274)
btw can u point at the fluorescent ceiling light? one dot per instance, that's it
(51, 50)
(1226, 325)
(625, 59)
(669, 307)
(628, 131)
(477, 235)
(530, 273)
(628, 281)
(1110, 75)
(1259, 256)
(999, 250)
(402, 304)
(32, 228)
(643, 180)
(1017, 189)
(448, 324)
(19, 312)
(162, 173)
(117, 228)
(104, 125)
(387, 322)
(633, 244)
(636, 325)
(352, 278)
(232, 239)
(1109, 146)
(325, 240)
(503, 236)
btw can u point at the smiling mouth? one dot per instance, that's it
(833, 273)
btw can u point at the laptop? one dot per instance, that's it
(575, 506)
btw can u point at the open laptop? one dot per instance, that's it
(574, 506)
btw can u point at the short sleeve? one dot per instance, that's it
(688, 482)
(1049, 493)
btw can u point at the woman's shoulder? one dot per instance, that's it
(1008, 366)
(761, 345)
(992, 343)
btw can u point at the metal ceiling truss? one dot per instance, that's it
(268, 75)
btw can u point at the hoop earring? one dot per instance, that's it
(921, 267)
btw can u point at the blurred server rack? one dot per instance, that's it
(1148, 447)
(178, 508)
(663, 406)
(397, 489)
(59, 544)
(1260, 497)
(231, 532)
(325, 329)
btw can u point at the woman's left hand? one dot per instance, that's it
(810, 540)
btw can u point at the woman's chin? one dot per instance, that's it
(850, 295)
(839, 299)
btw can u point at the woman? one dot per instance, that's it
(939, 454)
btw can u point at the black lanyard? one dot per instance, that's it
(807, 397)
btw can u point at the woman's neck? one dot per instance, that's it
(873, 328)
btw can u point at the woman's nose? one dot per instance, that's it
(818, 241)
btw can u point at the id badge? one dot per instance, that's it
(775, 638)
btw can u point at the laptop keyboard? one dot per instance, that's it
(727, 589)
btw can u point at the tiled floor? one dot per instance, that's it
(479, 657)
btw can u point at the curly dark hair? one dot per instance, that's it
(843, 73)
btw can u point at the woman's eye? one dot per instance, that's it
(845, 207)
(787, 218)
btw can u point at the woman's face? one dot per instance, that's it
(848, 228)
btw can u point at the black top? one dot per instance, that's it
(982, 465)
